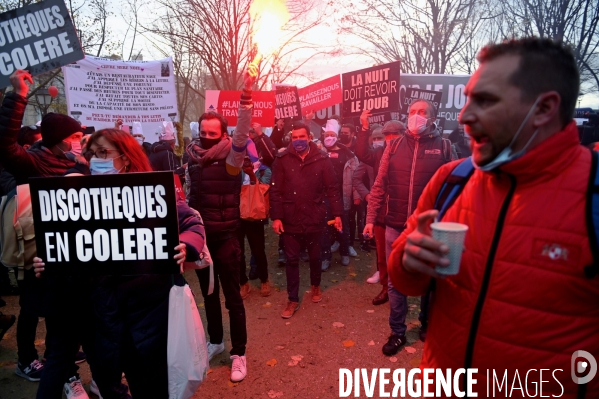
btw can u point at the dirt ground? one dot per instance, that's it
(295, 358)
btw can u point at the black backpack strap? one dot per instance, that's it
(592, 216)
(453, 186)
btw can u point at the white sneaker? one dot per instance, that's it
(335, 246)
(375, 278)
(215, 349)
(352, 252)
(74, 389)
(93, 388)
(238, 369)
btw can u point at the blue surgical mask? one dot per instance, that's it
(378, 144)
(99, 166)
(300, 145)
(506, 155)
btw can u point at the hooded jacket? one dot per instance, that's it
(521, 299)
(38, 161)
(299, 188)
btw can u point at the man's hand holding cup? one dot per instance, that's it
(425, 254)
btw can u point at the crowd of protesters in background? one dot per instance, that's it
(349, 189)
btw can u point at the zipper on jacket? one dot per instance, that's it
(411, 187)
(487, 276)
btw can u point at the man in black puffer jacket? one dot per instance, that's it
(214, 167)
(302, 177)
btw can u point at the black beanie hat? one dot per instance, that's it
(57, 127)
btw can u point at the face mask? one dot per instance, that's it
(300, 145)
(417, 124)
(140, 140)
(506, 155)
(209, 143)
(99, 166)
(378, 144)
(344, 139)
(330, 141)
(74, 152)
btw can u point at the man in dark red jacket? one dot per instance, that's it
(302, 176)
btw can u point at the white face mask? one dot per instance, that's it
(378, 144)
(506, 155)
(140, 140)
(417, 124)
(330, 141)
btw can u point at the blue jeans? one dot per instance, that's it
(398, 302)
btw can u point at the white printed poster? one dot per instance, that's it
(100, 91)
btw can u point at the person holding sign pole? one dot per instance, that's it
(130, 312)
(52, 156)
(215, 162)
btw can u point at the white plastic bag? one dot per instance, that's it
(186, 352)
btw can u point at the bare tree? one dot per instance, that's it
(426, 36)
(219, 33)
(575, 22)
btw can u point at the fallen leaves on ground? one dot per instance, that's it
(413, 306)
(279, 347)
(295, 360)
(267, 305)
(200, 305)
(233, 384)
(287, 323)
(334, 281)
(371, 343)
(353, 274)
(409, 349)
(348, 343)
(209, 371)
(272, 362)
(39, 342)
(370, 311)
(415, 362)
(338, 325)
(393, 359)
(274, 394)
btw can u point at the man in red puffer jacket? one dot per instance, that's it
(521, 300)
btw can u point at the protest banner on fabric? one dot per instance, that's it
(123, 224)
(321, 95)
(39, 37)
(452, 87)
(376, 89)
(287, 103)
(415, 93)
(100, 90)
(226, 103)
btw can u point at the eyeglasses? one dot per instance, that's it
(100, 153)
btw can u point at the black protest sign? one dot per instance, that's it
(287, 103)
(39, 37)
(124, 224)
(413, 94)
(376, 89)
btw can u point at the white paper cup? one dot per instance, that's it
(452, 234)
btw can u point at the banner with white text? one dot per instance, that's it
(38, 38)
(375, 89)
(123, 224)
(226, 103)
(99, 91)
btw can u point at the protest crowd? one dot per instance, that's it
(514, 173)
